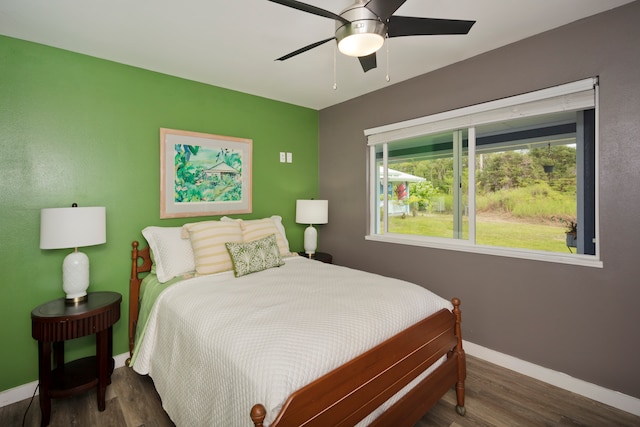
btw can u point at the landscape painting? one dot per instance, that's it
(204, 174)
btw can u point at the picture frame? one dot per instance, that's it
(204, 174)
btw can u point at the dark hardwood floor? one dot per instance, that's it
(494, 397)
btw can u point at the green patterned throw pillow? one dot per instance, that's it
(254, 256)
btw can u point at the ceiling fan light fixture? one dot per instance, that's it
(363, 35)
(362, 44)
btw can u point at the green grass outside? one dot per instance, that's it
(490, 230)
(527, 218)
(533, 202)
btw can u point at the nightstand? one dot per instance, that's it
(57, 321)
(319, 256)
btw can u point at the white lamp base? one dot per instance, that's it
(75, 276)
(310, 240)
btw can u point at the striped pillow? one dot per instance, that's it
(208, 240)
(258, 228)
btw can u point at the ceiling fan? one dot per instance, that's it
(362, 27)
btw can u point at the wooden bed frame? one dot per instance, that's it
(347, 394)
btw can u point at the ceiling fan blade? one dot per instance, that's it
(304, 49)
(368, 62)
(311, 9)
(411, 26)
(384, 8)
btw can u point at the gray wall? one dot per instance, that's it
(581, 321)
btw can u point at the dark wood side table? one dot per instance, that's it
(55, 322)
(319, 256)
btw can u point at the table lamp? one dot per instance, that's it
(74, 227)
(311, 212)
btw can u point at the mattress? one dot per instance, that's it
(216, 345)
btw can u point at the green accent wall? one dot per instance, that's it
(75, 128)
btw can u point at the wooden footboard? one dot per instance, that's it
(348, 394)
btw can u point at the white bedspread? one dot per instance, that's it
(217, 345)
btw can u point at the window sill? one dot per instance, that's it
(464, 246)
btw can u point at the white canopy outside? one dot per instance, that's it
(397, 176)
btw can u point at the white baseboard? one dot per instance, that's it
(600, 394)
(25, 391)
(595, 392)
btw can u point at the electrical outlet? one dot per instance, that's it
(289, 157)
(283, 157)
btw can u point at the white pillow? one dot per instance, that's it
(253, 229)
(172, 255)
(277, 219)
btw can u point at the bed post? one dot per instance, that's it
(134, 294)
(134, 288)
(462, 363)
(258, 412)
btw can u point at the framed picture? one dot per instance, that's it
(203, 174)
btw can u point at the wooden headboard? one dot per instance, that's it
(137, 267)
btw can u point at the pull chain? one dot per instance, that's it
(335, 79)
(387, 43)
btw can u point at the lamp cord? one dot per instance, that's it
(24, 418)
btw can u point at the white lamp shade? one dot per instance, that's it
(312, 211)
(62, 228)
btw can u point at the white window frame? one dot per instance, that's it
(579, 95)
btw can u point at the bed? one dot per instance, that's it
(209, 372)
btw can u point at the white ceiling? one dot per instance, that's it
(233, 43)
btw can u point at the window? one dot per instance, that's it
(513, 177)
